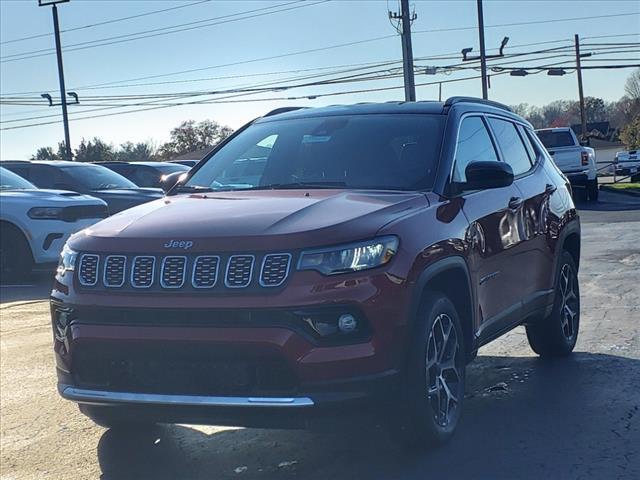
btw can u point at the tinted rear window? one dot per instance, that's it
(396, 152)
(551, 139)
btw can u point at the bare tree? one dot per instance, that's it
(632, 85)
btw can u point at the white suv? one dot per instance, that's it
(35, 224)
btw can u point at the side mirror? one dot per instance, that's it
(167, 182)
(488, 174)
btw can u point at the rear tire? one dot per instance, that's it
(108, 417)
(433, 391)
(592, 190)
(16, 260)
(556, 335)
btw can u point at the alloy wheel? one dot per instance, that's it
(570, 302)
(444, 380)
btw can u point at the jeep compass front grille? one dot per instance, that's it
(239, 271)
(88, 273)
(142, 272)
(114, 266)
(205, 272)
(275, 268)
(173, 269)
(197, 273)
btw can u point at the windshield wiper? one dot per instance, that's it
(294, 185)
(193, 189)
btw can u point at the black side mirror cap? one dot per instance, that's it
(167, 182)
(488, 174)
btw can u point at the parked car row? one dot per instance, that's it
(44, 202)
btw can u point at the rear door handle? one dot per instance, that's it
(515, 203)
(550, 188)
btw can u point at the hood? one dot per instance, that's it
(49, 197)
(256, 220)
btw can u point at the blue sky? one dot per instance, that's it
(313, 27)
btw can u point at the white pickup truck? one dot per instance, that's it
(628, 163)
(577, 162)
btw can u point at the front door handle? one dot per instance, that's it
(549, 189)
(515, 203)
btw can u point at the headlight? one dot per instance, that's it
(67, 260)
(350, 258)
(45, 213)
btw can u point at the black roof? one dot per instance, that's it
(423, 107)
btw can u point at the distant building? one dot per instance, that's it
(600, 130)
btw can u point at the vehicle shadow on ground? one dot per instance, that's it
(524, 418)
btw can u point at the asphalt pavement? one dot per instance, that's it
(524, 418)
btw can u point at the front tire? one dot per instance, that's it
(556, 335)
(435, 376)
(16, 260)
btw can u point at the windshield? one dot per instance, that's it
(95, 177)
(11, 181)
(551, 139)
(394, 152)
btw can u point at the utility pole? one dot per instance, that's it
(407, 50)
(483, 52)
(583, 113)
(63, 93)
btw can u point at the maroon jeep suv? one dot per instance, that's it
(320, 260)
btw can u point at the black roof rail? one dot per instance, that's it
(5, 162)
(280, 110)
(453, 100)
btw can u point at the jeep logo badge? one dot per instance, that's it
(184, 244)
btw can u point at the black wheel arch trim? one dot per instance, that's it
(573, 227)
(455, 262)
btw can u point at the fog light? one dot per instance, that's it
(322, 326)
(347, 323)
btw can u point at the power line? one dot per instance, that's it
(533, 22)
(519, 56)
(540, 69)
(163, 30)
(113, 84)
(106, 22)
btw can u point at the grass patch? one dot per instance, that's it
(630, 188)
(626, 186)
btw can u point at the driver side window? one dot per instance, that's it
(474, 144)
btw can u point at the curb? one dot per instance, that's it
(622, 192)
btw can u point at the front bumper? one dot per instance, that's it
(230, 360)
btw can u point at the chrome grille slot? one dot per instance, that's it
(205, 271)
(88, 272)
(142, 271)
(275, 268)
(173, 270)
(239, 271)
(114, 266)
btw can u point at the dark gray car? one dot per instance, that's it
(100, 182)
